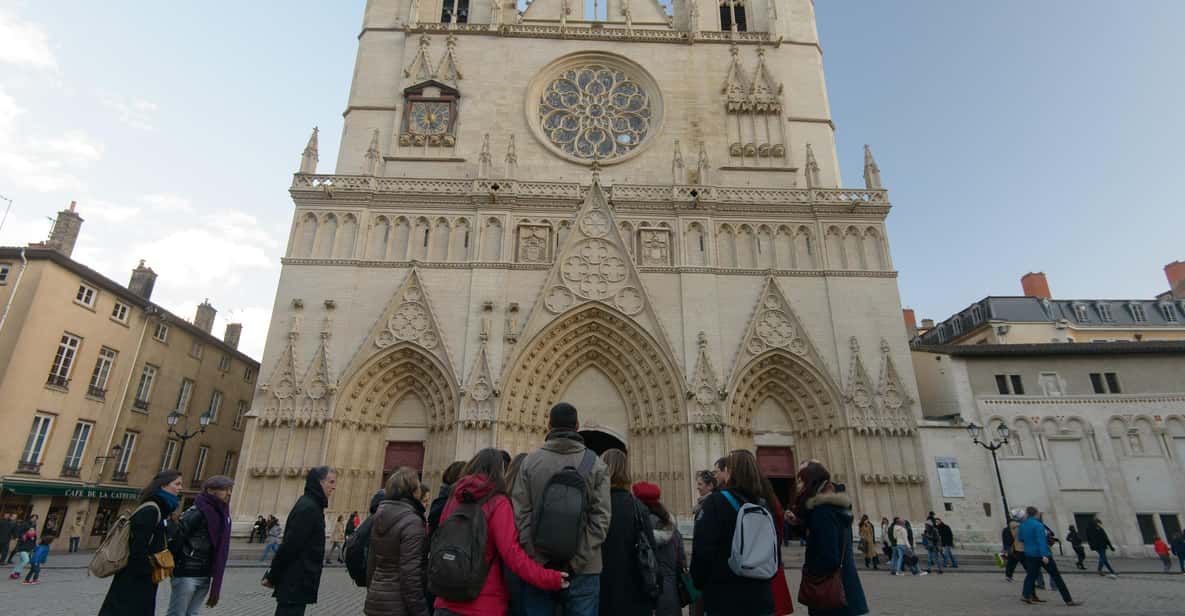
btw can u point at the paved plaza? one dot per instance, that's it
(68, 590)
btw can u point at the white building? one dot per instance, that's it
(638, 213)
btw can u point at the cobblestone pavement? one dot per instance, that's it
(69, 591)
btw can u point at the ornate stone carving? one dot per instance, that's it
(593, 271)
(534, 244)
(894, 400)
(629, 300)
(559, 299)
(594, 111)
(654, 246)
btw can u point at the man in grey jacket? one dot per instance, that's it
(564, 447)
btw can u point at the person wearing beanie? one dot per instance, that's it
(200, 546)
(562, 448)
(668, 548)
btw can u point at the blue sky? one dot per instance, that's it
(1013, 136)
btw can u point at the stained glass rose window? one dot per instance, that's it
(594, 111)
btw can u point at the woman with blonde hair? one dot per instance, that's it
(398, 550)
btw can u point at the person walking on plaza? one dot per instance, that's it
(1162, 552)
(933, 541)
(623, 592)
(563, 448)
(295, 572)
(948, 542)
(337, 539)
(19, 528)
(274, 533)
(74, 531)
(1177, 542)
(1032, 533)
(826, 509)
(1099, 543)
(396, 560)
(1015, 548)
(133, 589)
(200, 546)
(7, 527)
(903, 550)
(726, 593)
(868, 543)
(23, 551)
(668, 548)
(1075, 541)
(40, 555)
(482, 481)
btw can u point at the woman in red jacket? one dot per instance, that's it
(484, 478)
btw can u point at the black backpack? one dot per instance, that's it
(457, 566)
(644, 550)
(357, 546)
(558, 522)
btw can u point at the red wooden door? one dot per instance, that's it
(403, 454)
(776, 461)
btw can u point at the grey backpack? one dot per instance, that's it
(754, 541)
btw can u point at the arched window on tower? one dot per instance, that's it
(732, 16)
(460, 8)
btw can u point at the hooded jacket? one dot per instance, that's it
(396, 561)
(829, 547)
(502, 543)
(668, 544)
(563, 448)
(1098, 539)
(295, 571)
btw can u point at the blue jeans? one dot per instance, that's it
(898, 557)
(582, 598)
(933, 555)
(949, 554)
(35, 573)
(22, 561)
(74, 543)
(1103, 562)
(187, 594)
(271, 547)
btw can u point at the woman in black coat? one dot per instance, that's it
(622, 593)
(726, 593)
(295, 572)
(827, 511)
(132, 591)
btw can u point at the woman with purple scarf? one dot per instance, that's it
(200, 546)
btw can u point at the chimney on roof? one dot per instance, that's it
(927, 324)
(143, 280)
(204, 318)
(911, 322)
(1175, 272)
(65, 230)
(234, 331)
(1035, 285)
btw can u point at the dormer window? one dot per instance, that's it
(1169, 314)
(1138, 314)
(1104, 312)
(732, 16)
(1081, 314)
(976, 314)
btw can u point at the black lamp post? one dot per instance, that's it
(977, 432)
(116, 451)
(203, 420)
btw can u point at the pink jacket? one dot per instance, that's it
(503, 536)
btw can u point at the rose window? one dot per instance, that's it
(594, 111)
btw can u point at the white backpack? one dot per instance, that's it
(754, 541)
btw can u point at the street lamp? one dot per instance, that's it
(992, 444)
(186, 434)
(116, 451)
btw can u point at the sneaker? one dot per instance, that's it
(1007, 579)
(14, 576)
(34, 582)
(924, 573)
(1073, 603)
(26, 583)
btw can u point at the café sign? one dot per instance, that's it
(69, 490)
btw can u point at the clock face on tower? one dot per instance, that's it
(429, 118)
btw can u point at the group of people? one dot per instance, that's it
(898, 544)
(26, 549)
(563, 528)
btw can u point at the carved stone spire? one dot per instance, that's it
(872, 173)
(484, 160)
(447, 70)
(811, 169)
(308, 160)
(374, 157)
(511, 160)
(420, 68)
(678, 172)
(701, 165)
(736, 85)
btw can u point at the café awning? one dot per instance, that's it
(33, 487)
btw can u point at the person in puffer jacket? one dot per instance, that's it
(484, 478)
(669, 552)
(398, 554)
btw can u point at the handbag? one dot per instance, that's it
(688, 593)
(162, 566)
(824, 592)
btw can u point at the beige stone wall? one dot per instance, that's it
(43, 310)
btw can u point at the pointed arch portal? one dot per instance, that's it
(631, 390)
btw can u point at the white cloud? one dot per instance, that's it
(109, 212)
(44, 164)
(9, 111)
(75, 145)
(25, 43)
(215, 251)
(136, 112)
(168, 202)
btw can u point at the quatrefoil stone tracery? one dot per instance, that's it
(409, 321)
(594, 112)
(776, 329)
(593, 271)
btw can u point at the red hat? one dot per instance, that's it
(647, 492)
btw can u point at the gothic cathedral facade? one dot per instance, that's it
(635, 210)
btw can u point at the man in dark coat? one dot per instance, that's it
(948, 542)
(7, 524)
(295, 573)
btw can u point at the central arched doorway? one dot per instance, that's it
(600, 441)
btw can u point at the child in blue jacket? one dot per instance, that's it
(40, 554)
